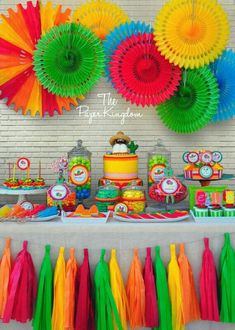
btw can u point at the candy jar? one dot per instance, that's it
(134, 197)
(80, 170)
(106, 196)
(158, 159)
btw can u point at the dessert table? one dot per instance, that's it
(122, 236)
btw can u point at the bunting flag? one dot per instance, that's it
(208, 286)
(151, 308)
(22, 288)
(227, 283)
(43, 307)
(5, 271)
(84, 311)
(136, 292)
(175, 290)
(191, 310)
(164, 304)
(118, 290)
(59, 289)
(71, 279)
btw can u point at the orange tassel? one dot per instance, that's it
(70, 288)
(136, 293)
(191, 311)
(5, 271)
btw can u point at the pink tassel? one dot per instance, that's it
(208, 286)
(22, 288)
(151, 308)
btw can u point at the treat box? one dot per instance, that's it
(101, 219)
(207, 220)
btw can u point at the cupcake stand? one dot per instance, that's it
(23, 193)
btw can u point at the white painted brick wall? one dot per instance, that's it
(49, 138)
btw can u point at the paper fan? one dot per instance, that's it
(118, 35)
(100, 16)
(194, 104)
(69, 60)
(19, 33)
(191, 33)
(141, 74)
(224, 71)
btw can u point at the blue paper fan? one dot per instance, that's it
(118, 35)
(224, 71)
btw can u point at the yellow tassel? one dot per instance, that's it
(59, 287)
(175, 290)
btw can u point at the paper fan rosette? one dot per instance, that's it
(19, 33)
(191, 33)
(100, 16)
(224, 71)
(140, 74)
(194, 104)
(69, 60)
(118, 35)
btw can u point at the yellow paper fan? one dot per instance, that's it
(191, 33)
(100, 16)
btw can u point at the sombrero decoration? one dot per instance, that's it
(100, 16)
(19, 33)
(140, 74)
(119, 136)
(191, 33)
(118, 35)
(195, 103)
(224, 71)
(69, 60)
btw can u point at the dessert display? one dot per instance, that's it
(158, 159)
(203, 165)
(134, 197)
(121, 165)
(106, 196)
(79, 164)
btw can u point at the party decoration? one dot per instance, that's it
(194, 104)
(100, 16)
(140, 74)
(191, 311)
(190, 33)
(119, 34)
(19, 34)
(175, 290)
(22, 288)
(5, 271)
(224, 70)
(118, 290)
(59, 296)
(151, 308)
(69, 60)
(164, 304)
(135, 290)
(43, 307)
(84, 310)
(227, 274)
(208, 286)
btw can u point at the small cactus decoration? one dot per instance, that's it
(132, 147)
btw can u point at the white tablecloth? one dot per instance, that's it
(122, 236)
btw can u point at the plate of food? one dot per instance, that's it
(153, 217)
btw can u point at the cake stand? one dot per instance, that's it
(204, 182)
(23, 193)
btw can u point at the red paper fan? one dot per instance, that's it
(141, 74)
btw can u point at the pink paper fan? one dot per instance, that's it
(141, 74)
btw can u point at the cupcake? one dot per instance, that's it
(12, 183)
(200, 211)
(39, 182)
(28, 184)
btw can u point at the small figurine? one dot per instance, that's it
(119, 143)
(132, 147)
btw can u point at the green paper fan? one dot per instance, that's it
(69, 60)
(194, 104)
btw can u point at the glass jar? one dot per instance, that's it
(79, 159)
(106, 196)
(134, 197)
(158, 159)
